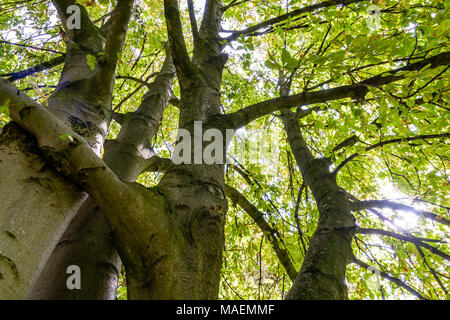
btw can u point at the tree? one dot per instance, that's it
(349, 98)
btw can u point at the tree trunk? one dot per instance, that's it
(322, 275)
(87, 112)
(36, 205)
(185, 263)
(88, 241)
(182, 257)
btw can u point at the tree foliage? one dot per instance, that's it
(387, 141)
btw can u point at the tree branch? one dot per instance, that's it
(122, 203)
(31, 47)
(158, 164)
(132, 148)
(85, 37)
(13, 76)
(395, 280)
(143, 82)
(350, 141)
(417, 241)
(209, 23)
(383, 143)
(183, 64)
(193, 21)
(433, 272)
(118, 29)
(394, 235)
(361, 205)
(258, 218)
(356, 91)
(234, 3)
(71, 156)
(294, 13)
(116, 37)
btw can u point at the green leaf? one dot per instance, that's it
(91, 61)
(285, 56)
(357, 112)
(66, 136)
(271, 65)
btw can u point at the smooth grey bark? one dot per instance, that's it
(29, 226)
(169, 237)
(178, 256)
(322, 274)
(32, 226)
(88, 241)
(163, 289)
